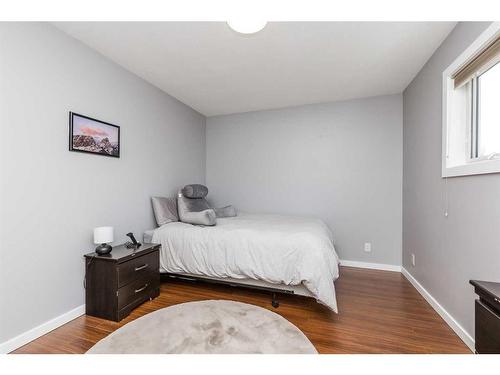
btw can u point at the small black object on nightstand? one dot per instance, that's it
(119, 282)
(487, 317)
(134, 244)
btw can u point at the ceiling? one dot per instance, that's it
(218, 71)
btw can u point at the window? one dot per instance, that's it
(487, 126)
(471, 108)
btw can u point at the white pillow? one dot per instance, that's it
(165, 210)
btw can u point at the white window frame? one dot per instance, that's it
(468, 166)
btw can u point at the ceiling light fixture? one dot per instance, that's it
(246, 26)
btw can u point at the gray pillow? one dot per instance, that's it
(195, 211)
(228, 211)
(165, 210)
(194, 204)
(194, 191)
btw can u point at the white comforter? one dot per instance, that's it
(277, 249)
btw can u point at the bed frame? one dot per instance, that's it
(249, 284)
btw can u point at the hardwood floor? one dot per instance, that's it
(379, 312)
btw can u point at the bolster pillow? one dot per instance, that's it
(195, 211)
(195, 191)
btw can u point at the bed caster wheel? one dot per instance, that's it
(275, 302)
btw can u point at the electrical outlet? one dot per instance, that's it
(368, 247)
(413, 259)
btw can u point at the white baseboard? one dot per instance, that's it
(373, 266)
(42, 329)
(454, 325)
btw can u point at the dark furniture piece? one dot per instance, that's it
(487, 323)
(118, 282)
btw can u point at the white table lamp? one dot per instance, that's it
(103, 236)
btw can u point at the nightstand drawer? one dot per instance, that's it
(138, 268)
(487, 329)
(137, 290)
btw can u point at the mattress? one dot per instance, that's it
(275, 249)
(295, 289)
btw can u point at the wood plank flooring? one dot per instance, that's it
(379, 312)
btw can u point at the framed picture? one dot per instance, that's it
(89, 135)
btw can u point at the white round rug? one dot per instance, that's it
(205, 327)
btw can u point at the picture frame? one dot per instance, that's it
(92, 136)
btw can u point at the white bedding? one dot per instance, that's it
(277, 249)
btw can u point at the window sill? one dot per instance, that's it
(472, 168)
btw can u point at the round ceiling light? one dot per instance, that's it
(246, 26)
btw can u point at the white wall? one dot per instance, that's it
(465, 245)
(341, 162)
(51, 198)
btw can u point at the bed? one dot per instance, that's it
(281, 253)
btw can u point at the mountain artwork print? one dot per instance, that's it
(93, 136)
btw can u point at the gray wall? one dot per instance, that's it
(341, 162)
(466, 245)
(51, 198)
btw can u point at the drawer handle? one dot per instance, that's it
(497, 300)
(141, 289)
(141, 267)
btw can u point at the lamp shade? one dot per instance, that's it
(246, 25)
(103, 235)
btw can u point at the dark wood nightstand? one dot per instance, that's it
(487, 317)
(118, 282)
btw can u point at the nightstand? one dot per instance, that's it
(487, 317)
(118, 282)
